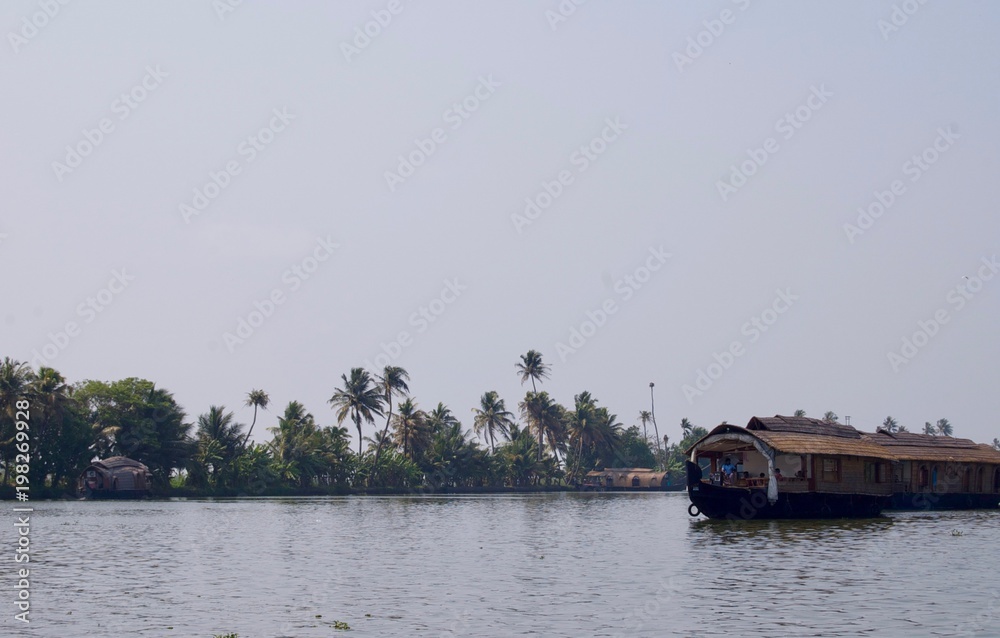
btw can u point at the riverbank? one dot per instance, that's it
(49, 494)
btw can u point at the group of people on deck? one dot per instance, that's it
(731, 474)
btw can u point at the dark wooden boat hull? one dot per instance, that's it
(729, 503)
(949, 501)
(732, 503)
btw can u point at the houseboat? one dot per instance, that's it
(788, 467)
(941, 472)
(629, 478)
(115, 477)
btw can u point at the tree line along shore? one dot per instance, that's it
(537, 444)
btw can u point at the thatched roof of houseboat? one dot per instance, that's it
(113, 462)
(802, 435)
(909, 446)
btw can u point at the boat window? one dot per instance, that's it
(635, 481)
(831, 470)
(996, 480)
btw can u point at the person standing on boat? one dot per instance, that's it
(728, 467)
(728, 471)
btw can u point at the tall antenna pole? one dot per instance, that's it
(652, 413)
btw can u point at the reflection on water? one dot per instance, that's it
(552, 565)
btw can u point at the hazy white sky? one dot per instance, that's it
(489, 177)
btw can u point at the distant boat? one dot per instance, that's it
(628, 479)
(788, 467)
(115, 477)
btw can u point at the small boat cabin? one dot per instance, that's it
(941, 472)
(115, 477)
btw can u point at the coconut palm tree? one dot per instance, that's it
(996, 443)
(686, 428)
(15, 383)
(652, 414)
(800, 413)
(392, 382)
(258, 399)
(492, 417)
(890, 425)
(532, 367)
(218, 441)
(644, 418)
(929, 428)
(410, 430)
(545, 417)
(359, 398)
(944, 428)
(61, 435)
(440, 419)
(831, 417)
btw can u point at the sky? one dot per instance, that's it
(757, 206)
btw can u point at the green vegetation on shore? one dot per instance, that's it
(407, 447)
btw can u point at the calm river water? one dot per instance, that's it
(498, 565)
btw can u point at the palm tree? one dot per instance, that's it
(359, 398)
(545, 417)
(686, 428)
(302, 451)
(258, 399)
(583, 426)
(440, 419)
(944, 427)
(652, 412)
(890, 425)
(219, 435)
(831, 417)
(996, 443)
(531, 367)
(61, 436)
(410, 429)
(492, 416)
(644, 418)
(800, 413)
(392, 383)
(929, 429)
(15, 383)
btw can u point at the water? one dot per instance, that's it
(498, 565)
